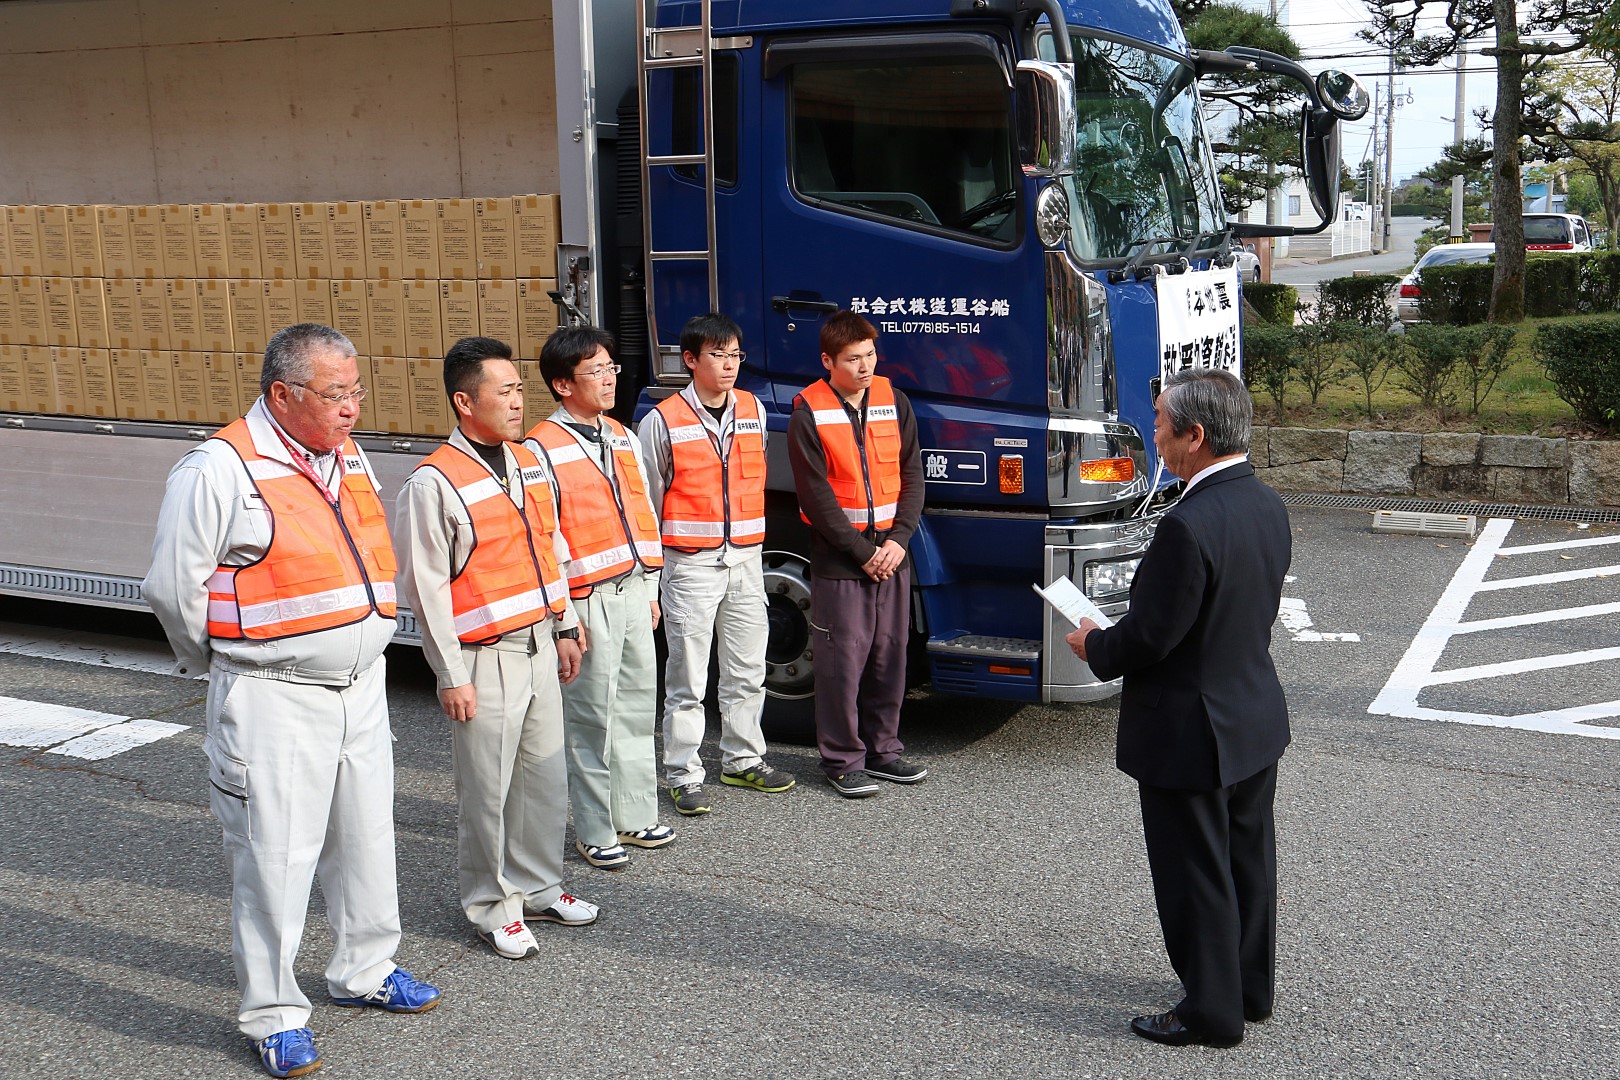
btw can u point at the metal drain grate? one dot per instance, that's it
(1596, 515)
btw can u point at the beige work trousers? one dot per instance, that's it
(511, 782)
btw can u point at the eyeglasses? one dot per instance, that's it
(605, 372)
(356, 395)
(739, 356)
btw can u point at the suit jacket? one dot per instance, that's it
(1201, 706)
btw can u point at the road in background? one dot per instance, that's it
(1449, 904)
(1305, 274)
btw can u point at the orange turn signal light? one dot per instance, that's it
(1117, 470)
(1011, 470)
(1008, 669)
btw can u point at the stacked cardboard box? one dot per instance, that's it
(164, 312)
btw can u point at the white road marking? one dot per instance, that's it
(1416, 670)
(83, 647)
(80, 733)
(1297, 621)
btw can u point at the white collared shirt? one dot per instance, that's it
(1211, 470)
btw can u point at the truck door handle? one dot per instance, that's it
(783, 303)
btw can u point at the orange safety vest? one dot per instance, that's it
(713, 500)
(511, 578)
(606, 538)
(327, 566)
(867, 485)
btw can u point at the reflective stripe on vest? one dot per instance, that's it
(710, 502)
(599, 546)
(323, 569)
(865, 479)
(511, 578)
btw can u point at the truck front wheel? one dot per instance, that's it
(789, 652)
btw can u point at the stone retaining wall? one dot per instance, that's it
(1444, 465)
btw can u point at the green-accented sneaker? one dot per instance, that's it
(761, 778)
(690, 800)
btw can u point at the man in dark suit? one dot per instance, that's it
(1202, 720)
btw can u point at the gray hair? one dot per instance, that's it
(289, 356)
(1214, 398)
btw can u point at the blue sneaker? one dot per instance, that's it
(399, 993)
(289, 1053)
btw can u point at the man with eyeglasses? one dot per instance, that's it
(273, 573)
(706, 452)
(481, 564)
(615, 557)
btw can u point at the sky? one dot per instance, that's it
(1326, 33)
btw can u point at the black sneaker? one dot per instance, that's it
(853, 785)
(761, 778)
(898, 771)
(690, 800)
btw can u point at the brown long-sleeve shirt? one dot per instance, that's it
(836, 549)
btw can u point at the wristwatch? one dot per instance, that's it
(572, 634)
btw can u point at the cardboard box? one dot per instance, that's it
(190, 387)
(180, 301)
(498, 311)
(537, 316)
(22, 228)
(419, 239)
(28, 311)
(242, 259)
(458, 240)
(179, 241)
(385, 317)
(152, 315)
(280, 307)
(349, 313)
(39, 379)
(249, 365)
(214, 315)
(210, 232)
(157, 385)
(458, 311)
(538, 224)
(314, 241)
(314, 299)
(347, 222)
(128, 393)
(90, 312)
(9, 334)
(497, 249)
(55, 252)
(117, 250)
(84, 241)
(123, 314)
(390, 396)
(69, 376)
(278, 242)
(95, 375)
(248, 332)
(12, 396)
(424, 329)
(384, 231)
(61, 321)
(5, 241)
(537, 400)
(430, 409)
(367, 420)
(146, 241)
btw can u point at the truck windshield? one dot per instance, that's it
(1143, 172)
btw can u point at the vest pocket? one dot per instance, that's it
(304, 574)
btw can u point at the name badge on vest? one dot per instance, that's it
(619, 442)
(352, 464)
(533, 475)
(747, 427)
(882, 412)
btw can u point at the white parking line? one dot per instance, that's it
(1297, 621)
(83, 647)
(71, 732)
(1416, 670)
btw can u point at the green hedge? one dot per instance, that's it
(1555, 285)
(1363, 299)
(1275, 303)
(1582, 358)
(1459, 294)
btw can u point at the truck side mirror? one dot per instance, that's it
(1319, 151)
(1046, 118)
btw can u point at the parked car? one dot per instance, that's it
(1248, 266)
(1406, 304)
(1556, 232)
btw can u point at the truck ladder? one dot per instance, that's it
(661, 48)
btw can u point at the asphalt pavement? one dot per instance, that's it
(1306, 274)
(1449, 904)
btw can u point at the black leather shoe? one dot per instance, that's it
(1167, 1028)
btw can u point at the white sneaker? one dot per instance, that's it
(568, 910)
(513, 941)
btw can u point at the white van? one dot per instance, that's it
(1556, 232)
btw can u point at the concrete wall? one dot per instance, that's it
(156, 101)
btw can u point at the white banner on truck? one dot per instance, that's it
(1198, 321)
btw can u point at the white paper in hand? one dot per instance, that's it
(1072, 603)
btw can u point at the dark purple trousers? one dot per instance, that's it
(860, 630)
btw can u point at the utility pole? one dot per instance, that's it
(1457, 229)
(1389, 145)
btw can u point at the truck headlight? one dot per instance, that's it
(1110, 580)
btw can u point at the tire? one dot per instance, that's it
(789, 657)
